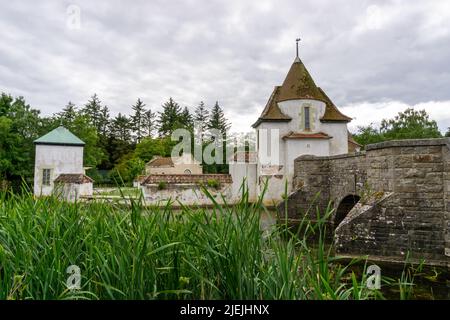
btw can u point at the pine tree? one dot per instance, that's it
(201, 117)
(103, 124)
(217, 120)
(186, 119)
(121, 128)
(138, 119)
(93, 110)
(98, 114)
(169, 118)
(149, 123)
(68, 113)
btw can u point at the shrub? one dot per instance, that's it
(162, 185)
(213, 183)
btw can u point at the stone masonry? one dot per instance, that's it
(389, 201)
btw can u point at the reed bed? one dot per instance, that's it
(139, 252)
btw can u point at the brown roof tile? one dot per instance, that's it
(331, 111)
(161, 162)
(298, 84)
(186, 178)
(271, 111)
(77, 178)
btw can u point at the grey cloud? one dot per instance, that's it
(231, 51)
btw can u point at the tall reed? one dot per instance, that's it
(141, 252)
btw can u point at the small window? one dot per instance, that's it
(46, 177)
(187, 171)
(307, 118)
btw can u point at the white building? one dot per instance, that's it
(59, 153)
(299, 119)
(185, 164)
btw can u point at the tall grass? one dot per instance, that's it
(137, 252)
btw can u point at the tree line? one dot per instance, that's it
(117, 148)
(409, 124)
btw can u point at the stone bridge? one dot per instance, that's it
(389, 201)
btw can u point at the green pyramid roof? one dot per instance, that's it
(60, 136)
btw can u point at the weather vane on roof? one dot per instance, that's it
(297, 41)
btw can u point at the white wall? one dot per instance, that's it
(339, 142)
(187, 194)
(294, 109)
(177, 169)
(59, 159)
(296, 148)
(73, 191)
(239, 172)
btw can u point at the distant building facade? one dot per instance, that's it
(185, 164)
(59, 154)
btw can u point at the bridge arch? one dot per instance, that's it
(347, 203)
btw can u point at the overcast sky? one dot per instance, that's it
(373, 58)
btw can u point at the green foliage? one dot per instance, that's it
(410, 124)
(162, 185)
(170, 118)
(148, 148)
(97, 114)
(149, 123)
(186, 119)
(201, 117)
(138, 119)
(368, 135)
(213, 183)
(217, 120)
(121, 128)
(128, 168)
(19, 126)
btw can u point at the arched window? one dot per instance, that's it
(187, 171)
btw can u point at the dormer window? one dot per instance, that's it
(307, 119)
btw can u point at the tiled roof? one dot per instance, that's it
(332, 114)
(186, 178)
(77, 178)
(352, 140)
(298, 85)
(271, 111)
(302, 135)
(161, 162)
(60, 136)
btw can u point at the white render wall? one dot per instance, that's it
(241, 172)
(297, 148)
(59, 159)
(73, 191)
(187, 194)
(339, 142)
